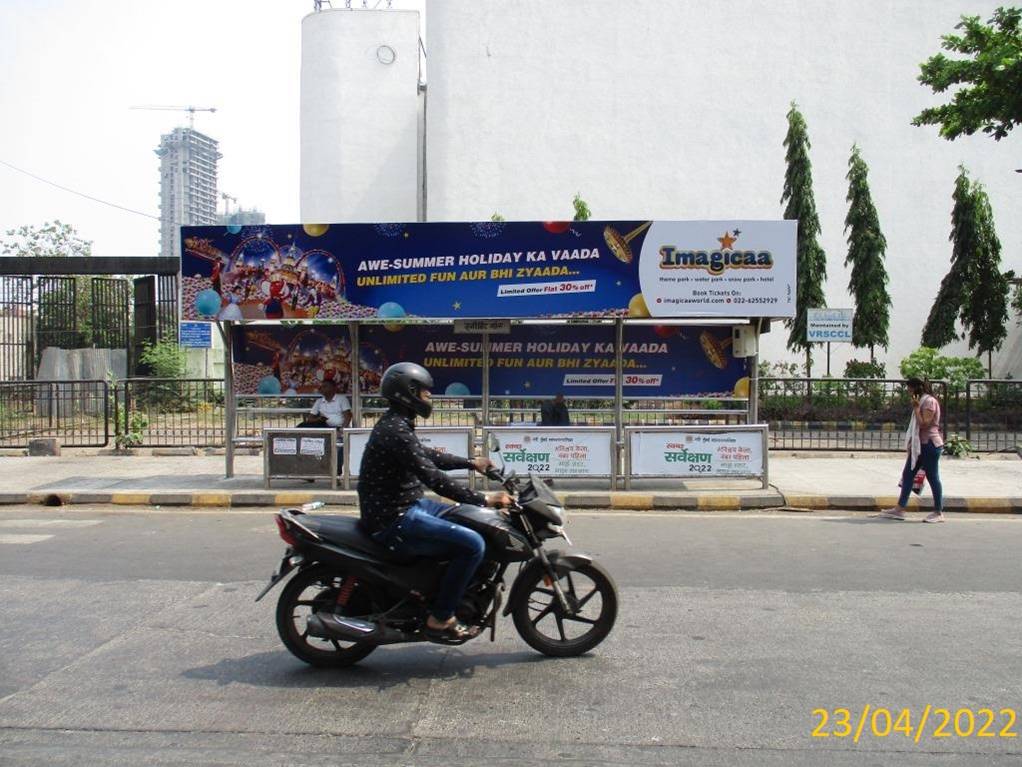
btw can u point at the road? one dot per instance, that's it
(131, 637)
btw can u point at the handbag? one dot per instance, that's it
(917, 482)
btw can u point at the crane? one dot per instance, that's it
(227, 203)
(189, 109)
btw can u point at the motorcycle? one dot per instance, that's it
(350, 595)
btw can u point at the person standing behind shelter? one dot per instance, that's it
(554, 412)
(924, 446)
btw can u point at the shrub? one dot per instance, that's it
(164, 359)
(925, 363)
(857, 369)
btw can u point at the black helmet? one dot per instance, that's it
(402, 384)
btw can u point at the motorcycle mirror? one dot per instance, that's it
(492, 443)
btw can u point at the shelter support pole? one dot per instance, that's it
(619, 377)
(230, 401)
(486, 380)
(753, 416)
(356, 377)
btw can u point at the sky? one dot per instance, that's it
(74, 69)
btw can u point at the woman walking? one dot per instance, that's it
(924, 446)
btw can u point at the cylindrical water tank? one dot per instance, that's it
(359, 116)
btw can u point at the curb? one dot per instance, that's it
(617, 500)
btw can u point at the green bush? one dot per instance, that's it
(925, 363)
(857, 369)
(164, 359)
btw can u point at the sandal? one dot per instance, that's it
(455, 633)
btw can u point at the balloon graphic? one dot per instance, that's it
(391, 311)
(557, 227)
(233, 228)
(666, 331)
(637, 306)
(394, 327)
(315, 230)
(269, 385)
(457, 389)
(742, 387)
(207, 303)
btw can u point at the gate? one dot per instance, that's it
(57, 322)
(17, 357)
(110, 314)
(144, 319)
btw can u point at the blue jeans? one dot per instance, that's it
(420, 533)
(928, 460)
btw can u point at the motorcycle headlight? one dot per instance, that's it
(559, 510)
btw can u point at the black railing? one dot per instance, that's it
(76, 413)
(993, 415)
(170, 412)
(842, 413)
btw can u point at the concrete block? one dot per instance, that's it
(675, 501)
(587, 500)
(166, 452)
(43, 446)
(170, 499)
(13, 499)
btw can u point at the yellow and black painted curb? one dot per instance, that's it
(618, 500)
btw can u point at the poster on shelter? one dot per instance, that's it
(490, 269)
(291, 360)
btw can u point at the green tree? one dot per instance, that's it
(582, 212)
(800, 205)
(985, 308)
(990, 98)
(939, 329)
(974, 291)
(866, 249)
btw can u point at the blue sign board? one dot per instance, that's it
(196, 335)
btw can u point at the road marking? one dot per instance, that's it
(49, 522)
(11, 538)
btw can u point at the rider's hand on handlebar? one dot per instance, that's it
(482, 464)
(498, 499)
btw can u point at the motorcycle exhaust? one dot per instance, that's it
(331, 626)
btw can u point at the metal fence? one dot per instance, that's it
(77, 413)
(842, 413)
(993, 415)
(168, 412)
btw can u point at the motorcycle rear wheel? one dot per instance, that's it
(315, 590)
(583, 585)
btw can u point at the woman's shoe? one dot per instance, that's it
(894, 513)
(935, 516)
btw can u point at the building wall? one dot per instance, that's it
(188, 185)
(676, 110)
(359, 116)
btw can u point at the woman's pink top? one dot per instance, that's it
(930, 432)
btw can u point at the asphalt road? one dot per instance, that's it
(132, 638)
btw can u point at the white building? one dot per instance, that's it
(653, 109)
(188, 175)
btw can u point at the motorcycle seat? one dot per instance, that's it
(348, 532)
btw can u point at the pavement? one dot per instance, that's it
(989, 483)
(130, 637)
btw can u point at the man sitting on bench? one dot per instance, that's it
(330, 410)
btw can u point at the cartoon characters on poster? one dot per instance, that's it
(263, 280)
(279, 361)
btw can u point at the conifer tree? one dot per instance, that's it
(800, 205)
(866, 249)
(985, 309)
(939, 329)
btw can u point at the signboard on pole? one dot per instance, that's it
(561, 452)
(829, 325)
(196, 335)
(489, 270)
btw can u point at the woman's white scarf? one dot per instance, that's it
(912, 441)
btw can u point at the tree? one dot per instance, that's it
(866, 249)
(582, 212)
(801, 206)
(974, 290)
(985, 308)
(939, 329)
(991, 75)
(53, 238)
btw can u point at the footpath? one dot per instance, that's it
(798, 481)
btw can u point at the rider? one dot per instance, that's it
(395, 466)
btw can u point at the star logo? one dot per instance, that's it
(727, 241)
(456, 305)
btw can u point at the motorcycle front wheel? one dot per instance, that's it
(546, 626)
(317, 590)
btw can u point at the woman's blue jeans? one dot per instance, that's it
(928, 460)
(421, 533)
